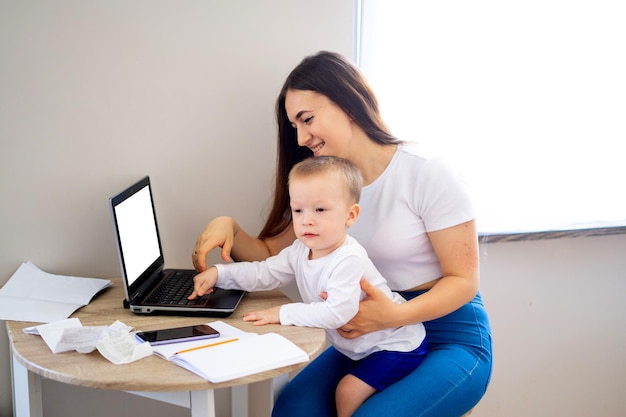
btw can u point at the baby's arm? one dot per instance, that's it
(341, 286)
(204, 282)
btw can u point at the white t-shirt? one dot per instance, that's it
(414, 195)
(337, 274)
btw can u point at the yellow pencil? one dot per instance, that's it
(207, 346)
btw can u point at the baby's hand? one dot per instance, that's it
(259, 318)
(203, 283)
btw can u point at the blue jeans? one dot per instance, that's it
(449, 382)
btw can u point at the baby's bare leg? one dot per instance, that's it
(351, 392)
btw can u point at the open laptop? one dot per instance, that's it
(147, 285)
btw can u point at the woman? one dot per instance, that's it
(417, 224)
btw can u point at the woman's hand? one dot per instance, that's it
(220, 232)
(259, 318)
(376, 312)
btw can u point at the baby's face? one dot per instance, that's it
(321, 212)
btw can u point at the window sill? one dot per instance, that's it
(597, 229)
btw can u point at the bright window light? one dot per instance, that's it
(527, 99)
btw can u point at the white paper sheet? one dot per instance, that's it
(121, 347)
(115, 342)
(34, 295)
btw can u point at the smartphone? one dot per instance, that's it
(177, 334)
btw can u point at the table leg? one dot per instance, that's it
(239, 401)
(202, 403)
(27, 398)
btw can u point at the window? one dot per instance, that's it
(527, 99)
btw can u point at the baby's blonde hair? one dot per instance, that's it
(344, 169)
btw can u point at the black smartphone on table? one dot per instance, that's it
(177, 334)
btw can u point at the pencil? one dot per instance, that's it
(207, 346)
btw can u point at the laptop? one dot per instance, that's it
(148, 286)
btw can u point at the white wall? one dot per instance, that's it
(94, 95)
(557, 312)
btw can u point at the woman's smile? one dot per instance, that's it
(317, 148)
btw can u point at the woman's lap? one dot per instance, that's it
(438, 387)
(450, 381)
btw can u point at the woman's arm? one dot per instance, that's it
(224, 232)
(457, 250)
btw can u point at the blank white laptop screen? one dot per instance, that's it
(138, 233)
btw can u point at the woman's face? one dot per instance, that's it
(321, 125)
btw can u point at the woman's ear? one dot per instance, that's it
(353, 214)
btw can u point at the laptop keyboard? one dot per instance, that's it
(175, 290)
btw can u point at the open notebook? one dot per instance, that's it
(234, 354)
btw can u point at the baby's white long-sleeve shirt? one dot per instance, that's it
(337, 274)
